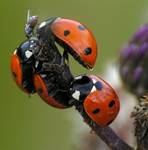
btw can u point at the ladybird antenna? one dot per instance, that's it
(28, 15)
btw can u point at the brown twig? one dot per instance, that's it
(106, 133)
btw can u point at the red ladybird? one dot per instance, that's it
(99, 100)
(42, 90)
(49, 91)
(73, 37)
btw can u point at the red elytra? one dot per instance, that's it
(78, 37)
(102, 106)
(16, 70)
(41, 89)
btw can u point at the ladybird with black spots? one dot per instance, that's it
(97, 98)
(72, 36)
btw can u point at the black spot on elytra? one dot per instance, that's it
(98, 85)
(14, 74)
(97, 110)
(111, 104)
(109, 122)
(87, 51)
(39, 91)
(81, 27)
(66, 32)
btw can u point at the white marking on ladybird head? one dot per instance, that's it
(93, 89)
(28, 54)
(94, 81)
(78, 77)
(42, 24)
(76, 95)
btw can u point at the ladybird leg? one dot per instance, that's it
(72, 102)
(78, 105)
(65, 58)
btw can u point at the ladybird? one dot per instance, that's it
(99, 100)
(22, 66)
(72, 36)
(53, 87)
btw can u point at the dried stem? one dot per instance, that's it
(140, 114)
(106, 133)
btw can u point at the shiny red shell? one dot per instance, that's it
(102, 106)
(41, 89)
(78, 37)
(16, 70)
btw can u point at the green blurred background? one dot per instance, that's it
(28, 123)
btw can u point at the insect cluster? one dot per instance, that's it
(38, 67)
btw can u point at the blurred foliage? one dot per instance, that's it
(28, 123)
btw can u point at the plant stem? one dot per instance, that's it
(106, 133)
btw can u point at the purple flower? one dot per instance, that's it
(138, 73)
(141, 35)
(143, 49)
(134, 62)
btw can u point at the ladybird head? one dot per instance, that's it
(81, 87)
